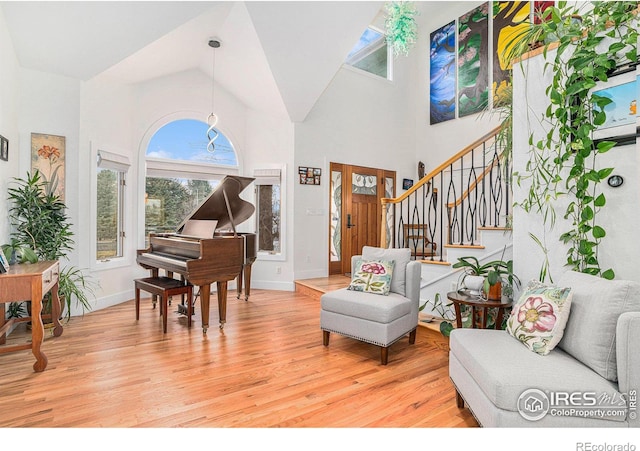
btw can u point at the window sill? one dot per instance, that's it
(266, 256)
(111, 263)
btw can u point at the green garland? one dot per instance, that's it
(400, 26)
(563, 163)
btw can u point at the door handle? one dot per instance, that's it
(349, 224)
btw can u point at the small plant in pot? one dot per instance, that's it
(494, 275)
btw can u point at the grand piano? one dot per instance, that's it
(207, 248)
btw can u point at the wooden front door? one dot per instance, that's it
(356, 211)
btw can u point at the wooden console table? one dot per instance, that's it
(30, 282)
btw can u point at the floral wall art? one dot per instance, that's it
(48, 157)
(473, 60)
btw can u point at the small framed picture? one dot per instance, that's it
(407, 183)
(4, 263)
(4, 148)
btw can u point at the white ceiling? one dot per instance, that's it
(275, 56)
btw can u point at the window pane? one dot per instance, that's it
(336, 212)
(370, 53)
(364, 184)
(268, 198)
(108, 211)
(169, 201)
(186, 140)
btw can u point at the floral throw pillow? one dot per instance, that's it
(372, 276)
(539, 317)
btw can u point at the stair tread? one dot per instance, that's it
(464, 246)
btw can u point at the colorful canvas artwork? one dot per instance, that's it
(473, 60)
(442, 93)
(509, 20)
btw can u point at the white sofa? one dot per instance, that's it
(594, 368)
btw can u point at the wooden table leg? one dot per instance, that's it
(458, 316)
(56, 311)
(37, 330)
(3, 338)
(485, 313)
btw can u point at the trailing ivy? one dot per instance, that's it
(563, 163)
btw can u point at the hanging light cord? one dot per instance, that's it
(212, 119)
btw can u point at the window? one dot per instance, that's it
(181, 173)
(111, 176)
(371, 54)
(168, 201)
(268, 210)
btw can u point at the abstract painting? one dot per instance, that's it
(48, 157)
(509, 20)
(473, 60)
(442, 95)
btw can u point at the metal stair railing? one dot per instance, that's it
(470, 190)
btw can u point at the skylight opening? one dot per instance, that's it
(371, 53)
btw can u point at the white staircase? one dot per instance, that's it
(439, 277)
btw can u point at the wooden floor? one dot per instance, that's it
(267, 368)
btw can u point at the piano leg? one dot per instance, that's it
(247, 281)
(205, 291)
(239, 283)
(222, 302)
(245, 273)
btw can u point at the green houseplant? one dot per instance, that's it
(40, 223)
(564, 161)
(495, 274)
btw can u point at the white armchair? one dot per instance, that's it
(373, 318)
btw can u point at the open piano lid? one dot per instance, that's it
(214, 207)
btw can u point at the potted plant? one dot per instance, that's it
(40, 223)
(19, 253)
(493, 275)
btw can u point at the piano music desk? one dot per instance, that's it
(24, 282)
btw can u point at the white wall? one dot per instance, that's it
(360, 120)
(9, 76)
(619, 217)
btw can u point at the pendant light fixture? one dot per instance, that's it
(212, 119)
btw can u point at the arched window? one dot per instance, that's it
(181, 172)
(186, 140)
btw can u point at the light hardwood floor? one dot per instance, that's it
(267, 368)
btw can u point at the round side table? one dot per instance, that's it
(479, 309)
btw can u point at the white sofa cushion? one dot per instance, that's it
(401, 257)
(504, 369)
(590, 334)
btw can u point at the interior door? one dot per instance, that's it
(356, 211)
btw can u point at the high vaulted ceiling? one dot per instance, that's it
(275, 56)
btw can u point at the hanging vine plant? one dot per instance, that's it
(564, 161)
(400, 26)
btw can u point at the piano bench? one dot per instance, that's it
(164, 287)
